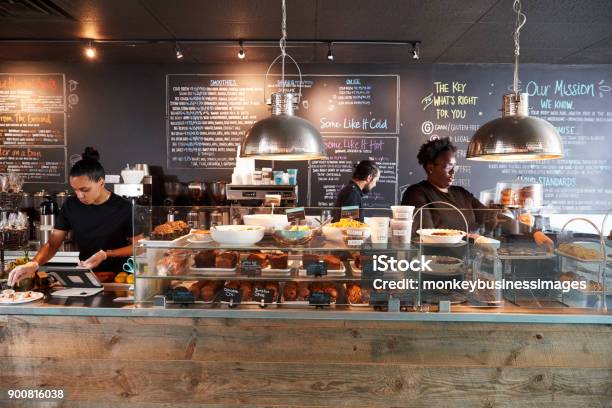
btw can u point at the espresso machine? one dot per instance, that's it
(253, 198)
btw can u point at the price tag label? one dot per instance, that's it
(316, 268)
(351, 211)
(319, 299)
(295, 215)
(264, 294)
(231, 295)
(379, 299)
(250, 267)
(367, 269)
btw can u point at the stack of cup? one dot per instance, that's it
(401, 224)
(380, 229)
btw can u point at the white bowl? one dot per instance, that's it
(337, 233)
(269, 221)
(132, 176)
(429, 236)
(237, 234)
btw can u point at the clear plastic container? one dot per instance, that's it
(519, 194)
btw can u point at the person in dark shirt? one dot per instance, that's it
(438, 159)
(365, 177)
(100, 220)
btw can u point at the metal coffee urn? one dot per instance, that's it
(47, 211)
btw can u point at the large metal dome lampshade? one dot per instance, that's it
(515, 136)
(283, 136)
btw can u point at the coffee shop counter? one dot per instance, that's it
(153, 357)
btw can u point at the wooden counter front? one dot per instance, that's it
(208, 362)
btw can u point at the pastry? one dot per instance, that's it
(259, 257)
(303, 291)
(290, 291)
(173, 262)
(273, 287)
(206, 259)
(593, 286)
(581, 252)
(331, 290)
(208, 290)
(508, 196)
(226, 260)
(353, 292)
(333, 262)
(278, 260)
(246, 291)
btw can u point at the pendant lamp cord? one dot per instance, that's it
(283, 44)
(521, 19)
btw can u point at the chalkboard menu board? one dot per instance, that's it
(329, 176)
(33, 126)
(577, 101)
(346, 104)
(208, 115)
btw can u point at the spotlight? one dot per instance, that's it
(330, 54)
(416, 51)
(241, 53)
(90, 51)
(179, 54)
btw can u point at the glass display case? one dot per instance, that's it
(375, 259)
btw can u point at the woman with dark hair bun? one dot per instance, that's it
(100, 220)
(438, 159)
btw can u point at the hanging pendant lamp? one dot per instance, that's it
(283, 136)
(515, 136)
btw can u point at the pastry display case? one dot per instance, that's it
(377, 260)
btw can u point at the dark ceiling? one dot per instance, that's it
(451, 31)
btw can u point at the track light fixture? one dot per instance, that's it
(416, 50)
(90, 51)
(330, 54)
(241, 53)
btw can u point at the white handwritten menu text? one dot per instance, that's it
(33, 126)
(346, 104)
(328, 176)
(207, 117)
(40, 165)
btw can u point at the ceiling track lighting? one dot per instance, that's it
(242, 52)
(330, 54)
(90, 51)
(416, 50)
(177, 50)
(515, 136)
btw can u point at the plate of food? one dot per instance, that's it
(444, 265)
(441, 236)
(199, 236)
(10, 297)
(584, 252)
(298, 294)
(215, 262)
(336, 231)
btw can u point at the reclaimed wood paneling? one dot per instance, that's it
(158, 362)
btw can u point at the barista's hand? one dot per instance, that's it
(22, 272)
(94, 260)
